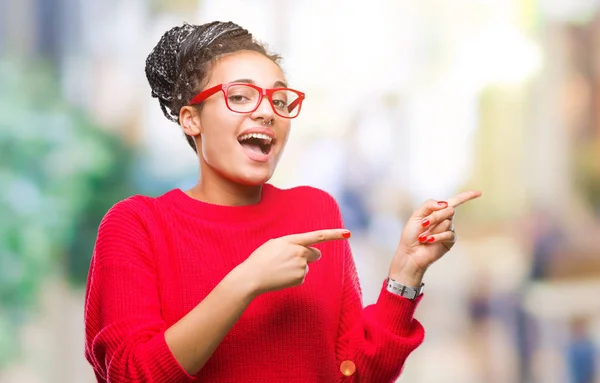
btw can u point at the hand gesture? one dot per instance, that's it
(427, 236)
(283, 262)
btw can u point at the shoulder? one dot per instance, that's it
(124, 232)
(131, 206)
(136, 210)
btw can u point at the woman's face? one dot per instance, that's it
(220, 142)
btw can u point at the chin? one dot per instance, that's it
(253, 178)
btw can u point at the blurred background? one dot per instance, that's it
(405, 101)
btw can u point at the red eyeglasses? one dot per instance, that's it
(245, 98)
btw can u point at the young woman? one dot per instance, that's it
(212, 284)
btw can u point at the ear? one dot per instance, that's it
(189, 119)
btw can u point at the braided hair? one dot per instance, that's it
(179, 65)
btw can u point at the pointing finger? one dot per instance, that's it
(319, 236)
(463, 197)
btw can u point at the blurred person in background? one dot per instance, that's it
(543, 237)
(546, 239)
(211, 284)
(581, 353)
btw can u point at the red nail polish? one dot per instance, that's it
(346, 234)
(425, 222)
(443, 203)
(423, 238)
(430, 239)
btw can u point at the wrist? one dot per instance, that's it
(243, 282)
(405, 271)
(407, 276)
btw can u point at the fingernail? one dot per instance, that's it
(443, 203)
(430, 239)
(346, 234)
(425, 222)
(423, 238)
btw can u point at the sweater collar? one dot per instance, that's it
(201, 209)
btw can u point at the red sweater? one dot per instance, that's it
(156, 258)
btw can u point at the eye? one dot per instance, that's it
(241, 94)
(280, 104)
(238, 98)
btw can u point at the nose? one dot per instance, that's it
(264, 110)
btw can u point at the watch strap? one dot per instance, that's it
(402, 290)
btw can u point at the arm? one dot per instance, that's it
(379, 338)
(196, 336)
(126, 338)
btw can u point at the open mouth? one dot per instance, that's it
(257, 142)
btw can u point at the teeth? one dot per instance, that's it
(260, 136)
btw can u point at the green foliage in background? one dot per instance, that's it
(59, 174)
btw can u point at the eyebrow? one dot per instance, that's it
(277, 84)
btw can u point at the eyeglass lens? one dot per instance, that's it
(243, 98)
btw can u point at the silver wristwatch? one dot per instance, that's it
(404, 291)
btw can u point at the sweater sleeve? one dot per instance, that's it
(379, 338)
(125, 333)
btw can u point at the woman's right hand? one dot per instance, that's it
(283, 262)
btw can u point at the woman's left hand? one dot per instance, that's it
(427, 236)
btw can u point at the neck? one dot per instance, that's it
(220, 191)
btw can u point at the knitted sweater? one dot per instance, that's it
(155, 259)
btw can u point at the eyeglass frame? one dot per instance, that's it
(203, 95)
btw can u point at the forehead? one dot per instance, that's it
(246, 65)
